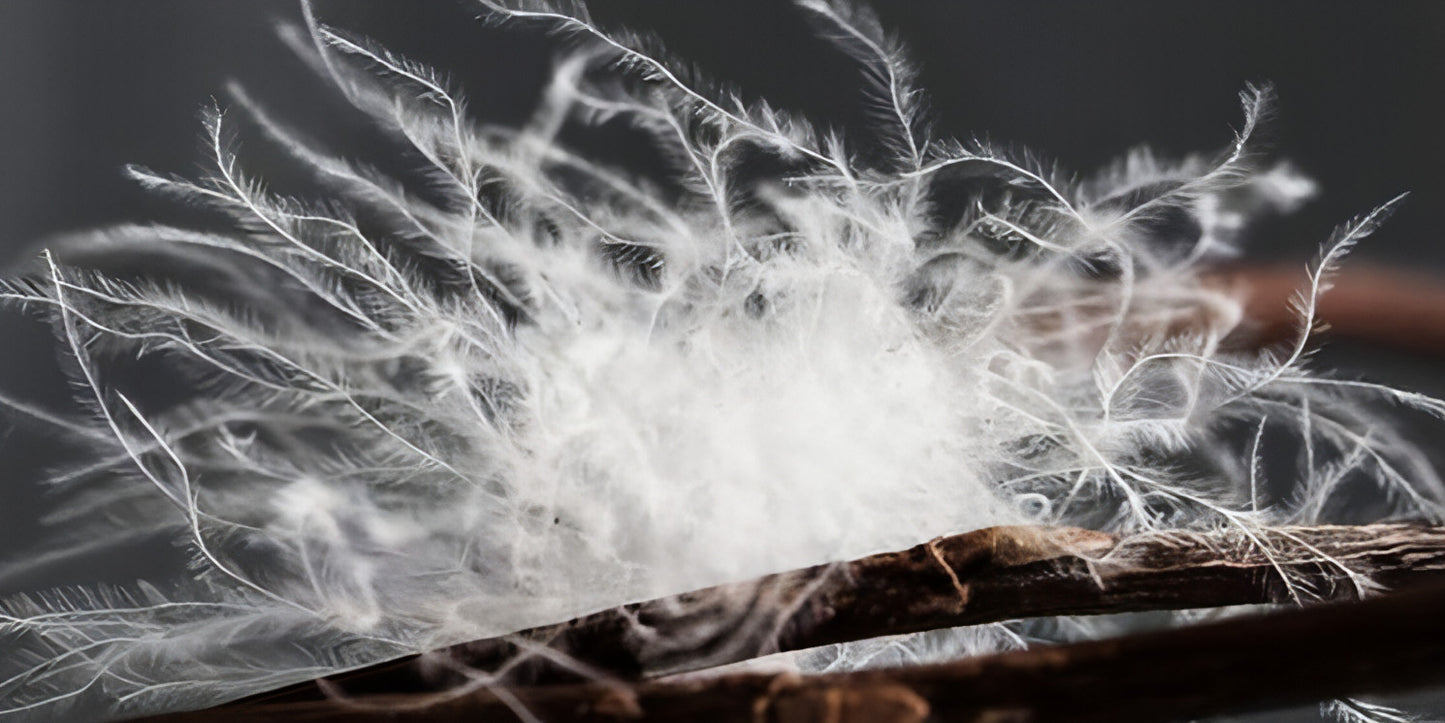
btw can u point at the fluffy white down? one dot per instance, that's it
(525, 386)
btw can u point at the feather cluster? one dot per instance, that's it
(517, 384)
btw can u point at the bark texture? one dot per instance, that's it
(1387, 644)
(985, 576)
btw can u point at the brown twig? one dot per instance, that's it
(985, 576)
(1377, 306)
(1383, 645)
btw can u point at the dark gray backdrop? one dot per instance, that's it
(86, 86)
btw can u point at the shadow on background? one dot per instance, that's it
(86, 87)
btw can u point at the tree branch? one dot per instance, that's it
(1387, 644)
(1378, 306)
(990, 575)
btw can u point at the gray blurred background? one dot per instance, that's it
(88, 85)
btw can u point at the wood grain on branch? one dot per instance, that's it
(1388, 644)
(985, 576)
